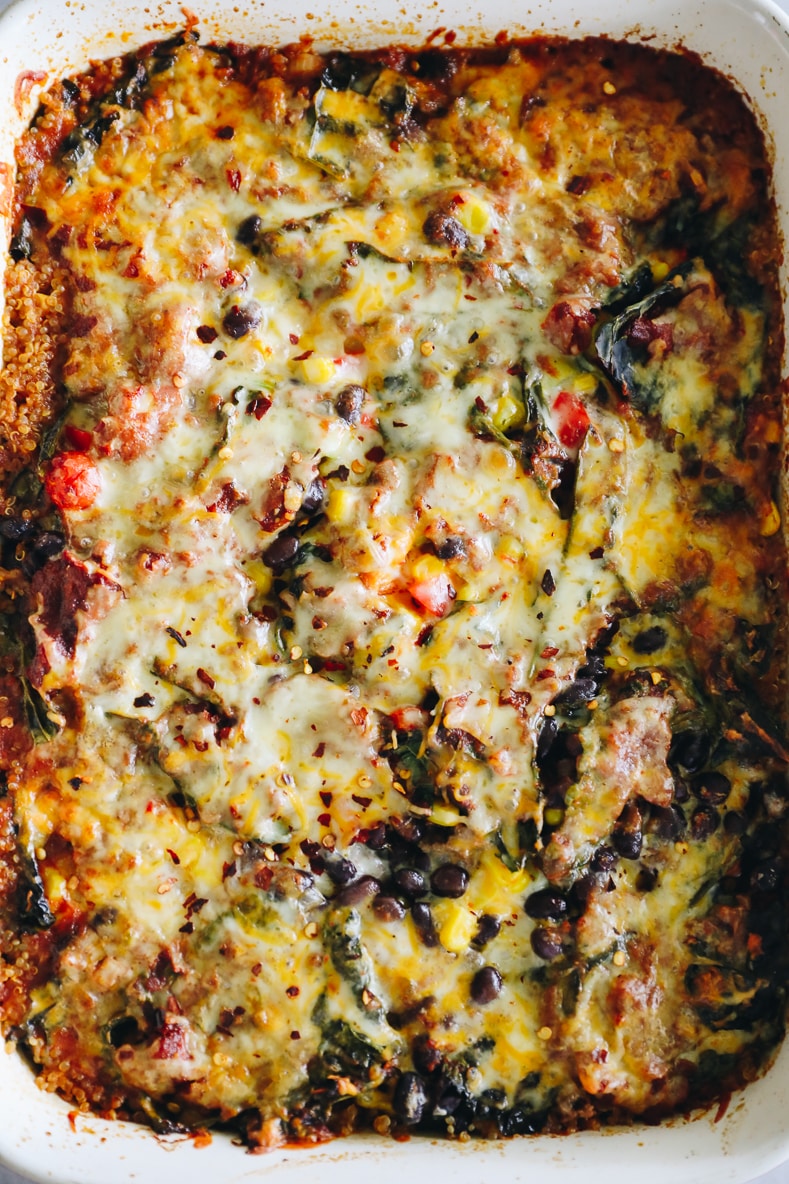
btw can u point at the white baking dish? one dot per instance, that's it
(746, 39)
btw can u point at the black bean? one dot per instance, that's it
(410, 1098)
(704, 822)
(520, 1122)
(360, 890)
(410, 882)
(448, 1100)
(249, 229)
(15, 528)
(650, 640)
(546, 943)
(486, 985)
(734, 823)
(423, 919)
(690, 750)
(241, 319)
(545, 741)
(713, 788)
(488, 927)
(545, 905)
(452, 547)
(444, 230)
(581, 891)
(426, 1054)
(48, 544)
(449, 880)
(313, 498)
(583, 690)
(626, 835)
(603, 859)
(340, 871)
(348, 403)
(376, 837)
(681, 791)
(282, 553)
(666, 822)
(388, 908)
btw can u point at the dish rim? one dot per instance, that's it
(47, 1144)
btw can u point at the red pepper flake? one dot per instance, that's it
(228, 870)
(596, 553)
(144, 700)
(175, 858)
(256, 969)
(318, 753)
(187, 928)
(295, 1036)
(376, 454)
(206, 678)
(293, 338)
(206, 334)
(292, 992)
(258, 406)
(176, 636)
(220, 355)
(543, 674)
(303, 357)
(326, 796)
(324, 819)
(195, 905)
(181, 740)
(480, 404)
(361, 801)
(450, 37)
(233, 179)
(229, 278)
(550, 651)
(467, 297)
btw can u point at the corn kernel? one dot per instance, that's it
(341, 506)
(473, 215)
(427, 567)
(554, 816)
(456, 925)
(318, 369)
(771, 521)
(507, 413)
(609, 88)
(660, 270)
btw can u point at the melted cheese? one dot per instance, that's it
(348, 559)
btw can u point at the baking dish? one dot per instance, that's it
(71, 58)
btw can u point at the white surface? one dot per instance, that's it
(755, 1131)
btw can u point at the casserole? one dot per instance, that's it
(20, 95)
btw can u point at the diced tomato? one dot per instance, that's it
(73, 481)
(78, 438)
(434, 594)
(571, 419)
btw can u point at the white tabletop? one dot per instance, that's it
(779, 1176)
